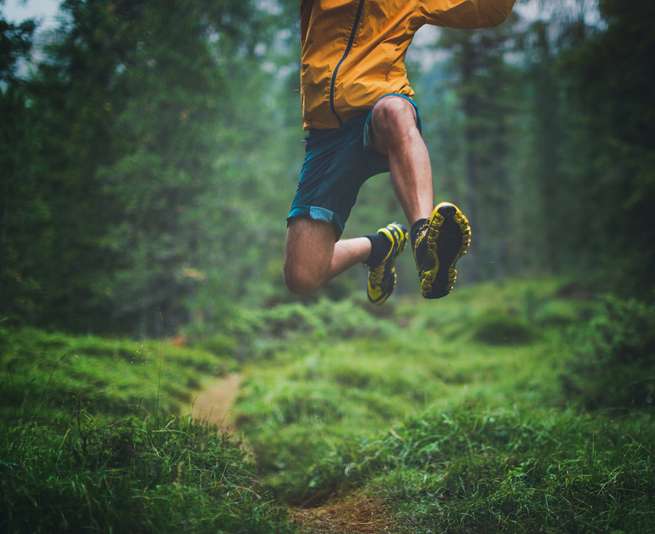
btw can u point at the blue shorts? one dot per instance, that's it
(337, 163)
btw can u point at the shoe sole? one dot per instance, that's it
(384, 298)
(449, 238)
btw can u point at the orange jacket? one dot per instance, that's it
(353, 51)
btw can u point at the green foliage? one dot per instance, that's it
(613, 363)
(19, 186)
(326, 319)
(452, 434)
(86, 442)
(490, 449)
(472, 470)
(163, 168)
(130, 475)
(557, 313)
(611, 160)
(42, 373)
(127, 150)
(149, 156)
(254, 333)
(316, 396)
(497, 329)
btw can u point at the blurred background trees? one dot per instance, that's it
(150, 151)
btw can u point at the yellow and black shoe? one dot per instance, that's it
(440, 242)
(382, 277)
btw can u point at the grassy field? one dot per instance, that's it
(478, 349)
(463, 415)
(454, 414)
(92, 440)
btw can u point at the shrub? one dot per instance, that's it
(260, 333)
(326, 318)
(502, 329)
(557, 313)
(219, 344)
(613, 365)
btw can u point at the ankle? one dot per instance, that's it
(380, 245)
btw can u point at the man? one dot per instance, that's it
(357, 106)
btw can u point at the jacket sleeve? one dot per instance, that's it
(466, 14)
(305, 13)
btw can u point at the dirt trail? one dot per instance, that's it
(213, 405)
(353, 514)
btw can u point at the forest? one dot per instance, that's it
(150, 151)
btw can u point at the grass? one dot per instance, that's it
(90, 442)
(614, 363)
(130, 475)
(473, 469)
(295, 408)
(448, 416)
(455, 417)
(43, 372)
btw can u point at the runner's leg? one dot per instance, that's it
(313, 254)
(441, 235)
(313, 257)
(396, 135)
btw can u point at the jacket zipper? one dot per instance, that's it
(351, 40)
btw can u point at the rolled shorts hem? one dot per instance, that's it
(317, 213)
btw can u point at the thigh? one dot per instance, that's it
(310, 245)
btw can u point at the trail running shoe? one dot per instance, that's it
(382, 278)
(443, 240)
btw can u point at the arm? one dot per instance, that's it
(466, 14)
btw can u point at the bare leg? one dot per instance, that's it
(397, 136)
(313, 257)
(349, 252)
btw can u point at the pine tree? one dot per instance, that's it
(485, 86)
(24, 212)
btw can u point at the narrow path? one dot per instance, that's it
(213, 405)
(356, 513)
(353, 514)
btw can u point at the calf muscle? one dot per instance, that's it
(310, 247)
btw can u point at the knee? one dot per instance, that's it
(300, 280)
(394, 116)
